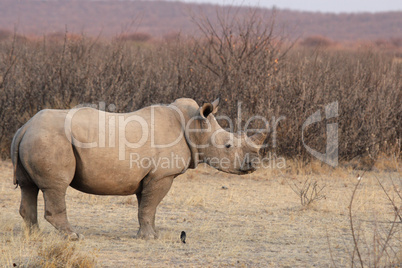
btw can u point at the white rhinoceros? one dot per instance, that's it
(103, 153)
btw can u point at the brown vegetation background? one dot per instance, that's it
(60, 74)
(243, 57)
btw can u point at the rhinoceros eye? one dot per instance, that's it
(228, 145)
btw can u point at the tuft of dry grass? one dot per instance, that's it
(63, 253)
(43, 250)
(21, 248)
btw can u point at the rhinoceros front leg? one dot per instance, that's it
(148, 199)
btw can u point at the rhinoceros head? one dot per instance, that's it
(223, 150)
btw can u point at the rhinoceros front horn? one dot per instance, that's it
(258, 139)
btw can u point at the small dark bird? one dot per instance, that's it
(183, 237)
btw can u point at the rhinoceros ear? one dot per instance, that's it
(208, 108)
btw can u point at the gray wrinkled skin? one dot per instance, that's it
(49, 157)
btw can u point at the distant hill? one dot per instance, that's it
(158, 18)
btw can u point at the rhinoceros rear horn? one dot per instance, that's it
(208, 108)
(258, 139)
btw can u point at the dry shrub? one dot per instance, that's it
(387, 163)
(390, 44)
(317, 41)
(308, 192)
(239, 59)
(171, 37)
(5, 35)
(367, 90)
(396, 41)
(56, 36)
(239, 55)
(381, 245)
(135, 37)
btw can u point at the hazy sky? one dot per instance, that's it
(319, 5)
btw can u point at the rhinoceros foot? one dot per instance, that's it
(147, 233)
(75, 237)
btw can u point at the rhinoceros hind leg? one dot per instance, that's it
(28, 207)
(55, 211)
(149, 198)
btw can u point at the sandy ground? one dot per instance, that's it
(254, 220)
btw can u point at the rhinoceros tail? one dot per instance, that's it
(15, 145)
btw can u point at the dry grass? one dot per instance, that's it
(256, 221)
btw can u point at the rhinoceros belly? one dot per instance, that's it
(106, 175)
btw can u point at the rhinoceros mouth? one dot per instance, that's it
(244, 172)
(238, 171)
